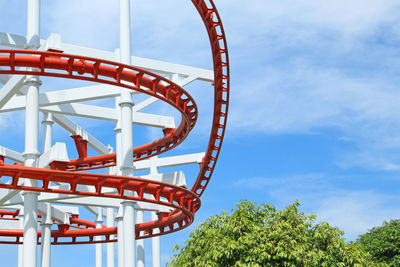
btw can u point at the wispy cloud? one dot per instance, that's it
(353, 211)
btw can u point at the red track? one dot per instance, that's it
(184, 202)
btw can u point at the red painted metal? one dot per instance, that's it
(183, 202)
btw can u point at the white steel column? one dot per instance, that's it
(31, 153)
(99, 252)
(110, 245)
(46, 224)
(140, 242)
(155, 244)
(47, 123)
(20, 247)
(120, 232)
(126, 136)
(46, 237)
(155, 241)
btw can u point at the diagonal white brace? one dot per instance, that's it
(10, 88)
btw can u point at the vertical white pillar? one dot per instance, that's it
(20, 247)
(31, 153)
(46, 224)
(120, 232)
(46, 237)
(99, 252)
(126, 136)
(47, 123)
(155, 241)
(140, 242)
(110, 245)
(155, 244)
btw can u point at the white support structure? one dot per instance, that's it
(120, 233)
(46, 236)
(31, 139)
(21, 247)
(110, 246)
(59, 97)
(11, 154)
(99, 249)
(141, 256)
(155, 244)
(21, 93)
(47, 123)
(10, 88)
(125, 149)
(169, 161)
(75, 129)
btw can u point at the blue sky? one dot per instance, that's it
(314, 111)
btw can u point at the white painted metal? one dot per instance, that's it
(126, 136)
(109, 114)
(169, 161)
(55, 105)
(61, 96)
(155, 241)
(47, 123)
(110, 246)
(4, 78)
(31, 139)
(175, 178)
(158, 66)
(75, 129)
(86, 201)
(120, 232)
(46, 236)
(155, 244)
(145, 103)
(99, 251)
(140, 243)
(21, 247)
(11, 154)
(13, 85)
(12, 40)
(58, 152)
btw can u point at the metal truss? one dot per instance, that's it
(50, 185)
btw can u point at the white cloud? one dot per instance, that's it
(356, 212)
(353, 211)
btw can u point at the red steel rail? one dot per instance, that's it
(184, 202)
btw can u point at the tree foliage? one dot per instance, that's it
(264, 236)
(383, 242)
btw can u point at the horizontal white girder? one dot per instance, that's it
(110, 203)
(65, 96)
(83, 110)
(11, 154)
(175, 178)
(58, 213)
(169, 161)
(12, 40)
(83, 200)
(110, 114)
(54, 42)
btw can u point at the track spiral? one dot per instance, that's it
(184, 202)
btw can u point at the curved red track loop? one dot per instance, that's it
(112, 186)
(96, 70)
(83, 233)
(178, 218)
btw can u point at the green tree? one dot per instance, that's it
(383, 243)
(264, 236)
